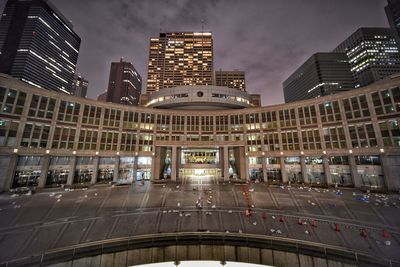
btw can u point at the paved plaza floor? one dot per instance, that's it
(55, 218)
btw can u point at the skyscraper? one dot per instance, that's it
(180, 58)
(322, 74)
(232, 79)
(79, 86)
(124, 85)
(373, 54)
(38, 45)
(393, 14)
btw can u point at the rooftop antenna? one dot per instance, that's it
(160, 27)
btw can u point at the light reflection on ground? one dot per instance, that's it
(201, 264)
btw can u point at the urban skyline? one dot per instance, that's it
(281, 55)
(200, 169)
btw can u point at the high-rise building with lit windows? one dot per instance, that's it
(373, 54)
(124, 85)
(79, 86)
(393, 15)
(322, 74)
(180, 58)
(38, 45)
(232, 79)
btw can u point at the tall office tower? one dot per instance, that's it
(79, 86)
(322, 74)
(393, 14)
(124, 85)
(180, 58)
(232, 79)
(38, 45)
(373, 54)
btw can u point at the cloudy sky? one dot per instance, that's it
(268, 39)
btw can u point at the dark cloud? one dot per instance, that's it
(267, 39)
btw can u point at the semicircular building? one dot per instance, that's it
(347, 139)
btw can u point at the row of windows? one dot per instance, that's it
(361, 136)
(385, 102)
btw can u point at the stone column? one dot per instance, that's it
(246, 168)
(304, 169)
(12, 166)
(353, 170)
(135, 168)
(95, 169)
(71, 170)
(283, 171)
(173, 163)
(226, 163)
(116, 169)
(156, 163)
(391, 171)
(264, 168)
(44, 170)
(328, 177)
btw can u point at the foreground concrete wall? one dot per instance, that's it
(203, 252)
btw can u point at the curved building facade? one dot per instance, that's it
(348, 139)
(206, 97)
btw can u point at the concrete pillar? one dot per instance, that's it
(283, 171)
(246, 168)
(10, 173)
(328, 177)
(116, 169)
(353, 170)
(391, 172)
(174, 163)
(95, 169)
(264, 169)
(71, 170)
(304, 169)
(44, 170)
(135, 168)
(226, 163)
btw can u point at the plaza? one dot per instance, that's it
(53, 219)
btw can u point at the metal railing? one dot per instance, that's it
(308, 248)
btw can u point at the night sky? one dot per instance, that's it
(268, 39)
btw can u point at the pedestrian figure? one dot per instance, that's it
(363, 233)
(314, 223)
(385, 233)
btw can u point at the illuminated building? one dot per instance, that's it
(373, 54)
(79, 86)
(393, 15)
(351, 138)
(322, 74)
(180, 58)
(124, 85)
(232, 79)
(38, 45)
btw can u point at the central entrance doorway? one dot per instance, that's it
(199, 164)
